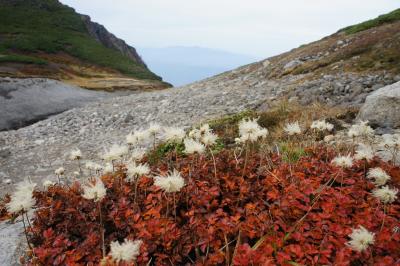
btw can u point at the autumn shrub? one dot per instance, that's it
(255, 219)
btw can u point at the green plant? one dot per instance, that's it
(291, 153)
(50, 27)
(15, 58)
(383, 19)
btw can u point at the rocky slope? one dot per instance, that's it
(44, 38)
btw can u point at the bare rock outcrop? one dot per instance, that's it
(382, 107)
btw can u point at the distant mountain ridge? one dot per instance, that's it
(181, 65)
(44, 38)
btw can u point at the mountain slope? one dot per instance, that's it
(46, 38)
(340, 69)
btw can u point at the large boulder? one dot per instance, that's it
(382, 107)
(25, 101)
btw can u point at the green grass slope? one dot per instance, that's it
(383, 19)
(31, 26)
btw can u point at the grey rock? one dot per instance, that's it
(12, 244)
(382, 107)
(24, 101)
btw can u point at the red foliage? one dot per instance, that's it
(245, 220)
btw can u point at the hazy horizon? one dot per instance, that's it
(259, 28)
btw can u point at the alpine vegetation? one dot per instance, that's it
(247, 195)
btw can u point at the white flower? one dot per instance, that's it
(391, 141)
(174, 134)
(108, 168)
(47, 184)
(135, 170)
(321, 125)
(76, 174)
(380, 176)
(192, 146)
(364, 152)
(343, 161)
(249, 130)
(195, 134)
(22, 199)
(205, 128)
(115, 152)
(385, 194)
(138, 137)
(137, 154)
(93, 166)
(75, 154)
(361, 238)
(154, 129)
(292, 128)
(59, 171)
(94, 191)
(360, 130)
(170, 183)
(127, 251)
(209, 139)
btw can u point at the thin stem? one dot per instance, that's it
(26, 233)
(215, 164)
(102, 231)
(384, 216)
(245, 159)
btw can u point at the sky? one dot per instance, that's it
(260, 28)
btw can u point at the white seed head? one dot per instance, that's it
(343, 161)
(22, 199)
(174, 134)
(138, 154)
(138, 137)
(364, 152)
(192, 146)
(108, 168)
(173, 182)
(209, 139)
(127, 251)
(59, 171)
(115, 152)
(292, 128)
(361, 238)
(379, 175)
(95, 191)
(48, 183)
(154, 129)
(250, 130)
(321, 125)
(75, 154)
(385, 194)
(135, 170)
(362, 129)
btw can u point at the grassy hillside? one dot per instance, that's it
(50, 27)
(383, 19)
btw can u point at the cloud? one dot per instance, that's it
(259, 27)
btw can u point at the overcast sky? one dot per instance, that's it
(256, 27)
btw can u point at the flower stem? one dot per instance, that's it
(102, 231)
(26, 233)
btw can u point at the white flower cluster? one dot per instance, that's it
(116, 152)
(174, 134)
(364, 152)
(92, 166)
(361, 238)
(127, 251)
(292, 128)
(94, 190)
(321, 125)
(362, 129)
(193, 146)
(343, 161)
(22, 199)
(385, 194)
(173, 182)
(379, 175)
(48, 183)
(204, 135)
(250, 130)
(136, 170)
